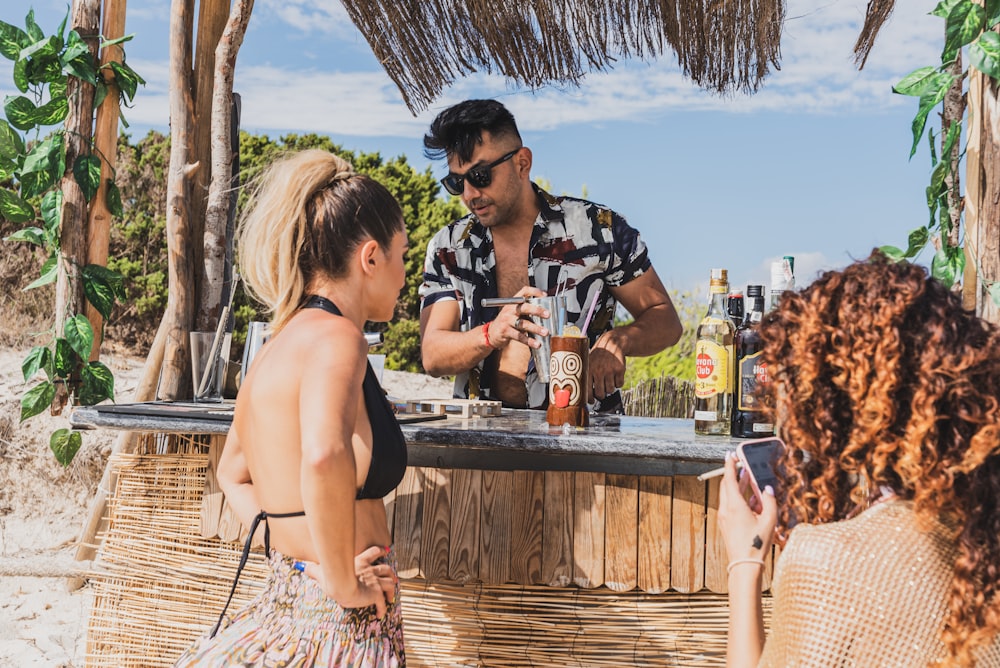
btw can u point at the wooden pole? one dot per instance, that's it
(106, 148)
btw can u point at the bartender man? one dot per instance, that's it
(519, 240)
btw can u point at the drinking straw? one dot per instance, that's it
(590, 311)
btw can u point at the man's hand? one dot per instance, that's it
(607, 365)
(513, 322)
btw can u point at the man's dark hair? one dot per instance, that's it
(459, 128)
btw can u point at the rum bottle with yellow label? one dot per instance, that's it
(713, 384)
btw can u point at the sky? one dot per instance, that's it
(814, 165)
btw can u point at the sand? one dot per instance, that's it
(43, 507)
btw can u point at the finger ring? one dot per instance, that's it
(517, 324)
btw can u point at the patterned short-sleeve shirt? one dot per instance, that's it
(577, 249)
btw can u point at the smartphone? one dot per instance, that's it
(760, 460)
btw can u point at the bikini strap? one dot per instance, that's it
(262, 515)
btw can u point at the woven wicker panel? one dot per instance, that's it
(452, 625)
(160, 584)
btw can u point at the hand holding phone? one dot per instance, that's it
(760, 461)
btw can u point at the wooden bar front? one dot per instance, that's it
(592, 547)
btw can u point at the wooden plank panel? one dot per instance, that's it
(655, 497)
(588, 529)
(212, 498)
(687, 535)
(527, 501)
(621, 532)
(494, 527)
(436, 523)
(230, 526)
(716, 559)
(407, 524)
(557, 529)
(463, 555)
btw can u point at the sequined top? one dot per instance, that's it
(578, 248)
(867, 592)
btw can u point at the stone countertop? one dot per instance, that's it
(516, 440)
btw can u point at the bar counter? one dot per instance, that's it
(517, 543)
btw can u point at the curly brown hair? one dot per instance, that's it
(881, 377)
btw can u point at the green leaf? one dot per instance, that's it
(97, 384)
(75, 47)
(930, 98)
(965, 23)
(44, 69)
(985, 54)
(32, 235)
(49, 272)
(11, 144)
(20, 112)
(33, 30)
(101, 286)
(127, 79)
(12, 40)
(100, 92)
(52, 212)
(114, 200)
(80, 335)
(38, 359)
(15, 209)
(948, 264)
(892, 253)
(65, 444)
(120, 40)
(62, 25)
(21, 75)
(87, 172)
(916, 241)
(52, 112)
(37, 399)
(64, 360)
(916, 81)
(43, 166)
(45, 46)
(992, 13)
(944, 8)
(83, 68)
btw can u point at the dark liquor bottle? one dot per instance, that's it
(748, 419)
(734, 307)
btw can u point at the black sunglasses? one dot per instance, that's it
(479, 176)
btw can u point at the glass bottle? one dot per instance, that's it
(782, 278)
(734, 307)
(713, 385)
(750, 373)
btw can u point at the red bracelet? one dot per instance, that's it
(486, 334)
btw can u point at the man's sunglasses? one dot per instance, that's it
(479, 176)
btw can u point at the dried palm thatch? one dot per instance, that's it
(723, 45)
(877, 15)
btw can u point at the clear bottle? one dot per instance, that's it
(734, 307)
(713, 385)
(750, 375)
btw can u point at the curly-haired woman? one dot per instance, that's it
(314, 442)
(887, 394)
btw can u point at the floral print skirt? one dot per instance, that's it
(293, 623)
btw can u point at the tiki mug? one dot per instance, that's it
(569, 373)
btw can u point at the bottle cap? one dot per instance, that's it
(720, 275)
(755, 291)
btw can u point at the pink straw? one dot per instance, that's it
(590, 312)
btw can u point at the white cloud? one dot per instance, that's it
(309, 16)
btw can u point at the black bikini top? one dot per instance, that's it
(388, 446)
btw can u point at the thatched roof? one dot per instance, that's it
(723, 45)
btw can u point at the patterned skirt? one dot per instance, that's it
(293, 623)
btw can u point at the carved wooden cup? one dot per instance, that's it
(569, 373)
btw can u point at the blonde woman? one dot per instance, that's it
(314, 445)
(887, 394)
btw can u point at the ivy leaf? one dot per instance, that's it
(985, 54)
(52, 112)
(12, 40)
(15, 209)
(21, 75)
(120, 40)
(965, 23)
(127, 79)
(114, 200)
(65, 444)
(45, 46)
(992, 13)
(915, 82)
(916, 241)
(11, 144)
(31, 235)
(97, 384)
(64, 360)
(44, 156)
(39, 358)
(83, 68)
(948, 263)
(930, 98)
(101, 286)
(52, 212)
(37, 399)
(33, 30)
(20, 112)
(75, 47)
(87, 172)
(79, 334)
(892, 253)
(100, 92)
(49, 273)
(944, 8)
